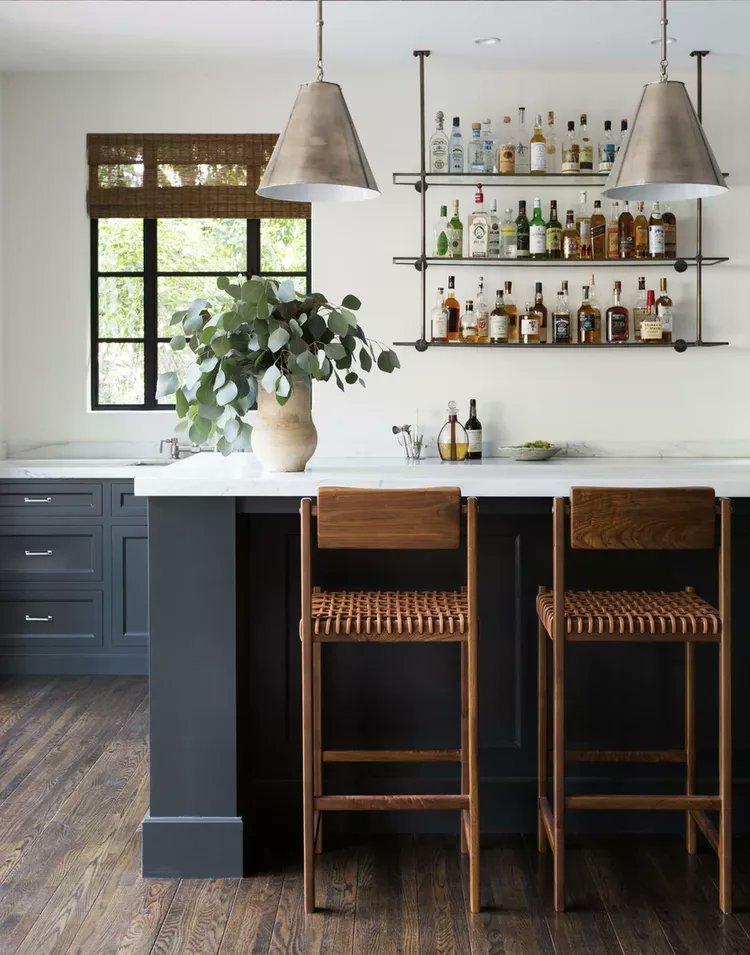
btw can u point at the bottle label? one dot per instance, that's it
(606, 157)
(530, 326)
(440, 326)
(641, 237)
(586, 156)
(562, 328)
(479, 238)
(522, 245)
(613, 243)
(570, 247)
(571, 161)
(455, 241)
(457, 159)
(656, 240)
(507, 159)
(498, 327)
(439, 156)
(665, 314)
(537, 235)
(441, 243)
(618, 328)
(522, 158)
(554, 239)
(627, 246)
(475, 440)
(670, 240)
(538, 157)
(651, 330)
(588, 322)
(494, 239)
(481, 320)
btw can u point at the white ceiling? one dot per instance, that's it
(169, 34)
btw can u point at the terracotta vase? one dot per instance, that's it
(284, 436)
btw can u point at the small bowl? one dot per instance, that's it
(530, 454)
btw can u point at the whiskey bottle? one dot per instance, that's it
(456, 148)
(571, 240)
(522, 231)
(538, 149)
(561, 321)
(664, 311)
(475, 149)
(439, 320)
(640, 231)
(474, 433)
(488, 144)
(655, 233)
(453, 442)
(541, 310)
(454, 311)
(529, 332)
(598, 232)
(670, 233)
(552, 165)
(537, 233)
(482, 313)
(613, 232)
(506, 151)
(571, 159)
(589, 321)
(522, 145)
(640, 312)
(583, 227)
(439, 146)
(618, 319)
(606, 148)
(508, 236)
(455, 234)
(499, 321)
(469, 328)
(479, 227)
(586, 154)
(651, 327)
(626, 232)
(494, 220)
(512, 310)
(440, 233)
(553, 236)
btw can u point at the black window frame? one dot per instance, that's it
(150, 275)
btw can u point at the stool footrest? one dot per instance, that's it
(625, 755)
(625, 801)
(391, 755)
(391, 802)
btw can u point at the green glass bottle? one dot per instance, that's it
(554, 233)
(537, 233)
(455, 234)
(522, 232)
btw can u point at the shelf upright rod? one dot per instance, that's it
(699, 55)
(421, 54)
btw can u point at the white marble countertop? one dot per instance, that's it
(14, 469)
(240, 475)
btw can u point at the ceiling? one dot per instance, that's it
(170, 34)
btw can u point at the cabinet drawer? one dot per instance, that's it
(50, 553)
(124, 501)
(51, 618)
(34, 498)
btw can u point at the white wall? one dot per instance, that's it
(598, 396)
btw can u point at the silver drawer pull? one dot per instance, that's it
(38, 553)
(37, 500)
(30, 619)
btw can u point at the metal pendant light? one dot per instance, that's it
(318, 157)
(666, 156)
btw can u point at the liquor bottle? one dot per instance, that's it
(469, 329)
(640, 232)
(586, 154)
(618, 319)
(479, 227)
(571, 240)
(552, 163)
(499, 321)
(538, 149)
(440, 233)
(589, 321)
(598, 232)
(509, 236)
(541, 310)
(640, 312)
(506, 151)
(454, 311)
(623, 134)
(613, 232)
(522, 231)
(670, 233)
(474, 433)
(583, 226)
(664, 310)
(606, 148)
(482, 313)
(522, 145)
(439, 320)
(456, 148)
(488, 143)
(494, 243)
(529, 332)
(626, 232)
(561, 321)
(571, 151)
(453, 442)
(655, 233)
(593, 299)
(537, 233)
(512, 310)
(475, 149)
(564, 293)
(651, 327)
(455, 234)
(439, 146)
(553, 237)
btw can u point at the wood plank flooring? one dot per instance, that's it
(74, 788)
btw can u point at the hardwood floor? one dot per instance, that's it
(74, 788)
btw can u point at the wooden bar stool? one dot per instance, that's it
(637, 519)
(361, 519)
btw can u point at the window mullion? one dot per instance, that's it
(150, 313)
(253, 247)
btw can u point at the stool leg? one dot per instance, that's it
(308, 810)
(473, 773)
(464, 736)
(541, 764)
(690, 827)
(558, 768)
(725, 775)
(318, 736)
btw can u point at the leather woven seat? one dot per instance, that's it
(632, 613)
(383, 614)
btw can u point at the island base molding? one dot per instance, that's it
(192, 847)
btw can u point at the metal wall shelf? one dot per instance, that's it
(499, 180)
(679, 265)
(680, 345)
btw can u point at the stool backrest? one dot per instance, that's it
(603, 518)
(384, 519)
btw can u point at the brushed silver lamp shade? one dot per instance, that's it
(318, 157)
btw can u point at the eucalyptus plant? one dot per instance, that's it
(267, 335)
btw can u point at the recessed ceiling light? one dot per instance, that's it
(487, 40)
(657, 40)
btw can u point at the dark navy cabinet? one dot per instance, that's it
(73, 577)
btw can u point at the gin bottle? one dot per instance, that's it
(488, 144)
(606, 149)
(456, 148)
(439, 147)
(479, 227)
(523, 160)
(476, 149)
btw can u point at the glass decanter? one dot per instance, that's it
(453, 442)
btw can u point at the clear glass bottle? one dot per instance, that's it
(640, 311)
(640, 233)
(589, 321)
(469, 328)
(538, 149)
(482, 313)
(598, 232)
(479, 227)
(617, 318)
(512, 310)
(665, 311)
(499, 321)
(454, 311)
(439, 319)
(571, 155)
(509, 236)
(613, 232)
(455, 234)
(651, 327)
(495, 244)
(440, 234)
(583, 226)
(456, 147)
(593, 298)
(564, 293)
(626, 232)
(571, 240)
(506, 151)
(473, 428)
(488, 143)
(475, 150)
(453, 442)
(523, 162)
(655, 233)
(439, 146)
(561, 333)
(587, 149)
(551, 137)
(537, 233)
(623, 134)
(522, 231)
(606, 148)
(529, 332)
(553, 235)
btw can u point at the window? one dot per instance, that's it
(143, 270)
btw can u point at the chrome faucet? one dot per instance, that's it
(174, 447)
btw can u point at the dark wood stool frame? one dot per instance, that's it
(353, 518)
(637, 519)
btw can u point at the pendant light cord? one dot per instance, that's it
(320, 40)
(664, 22)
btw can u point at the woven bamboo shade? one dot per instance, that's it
(182, 176)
